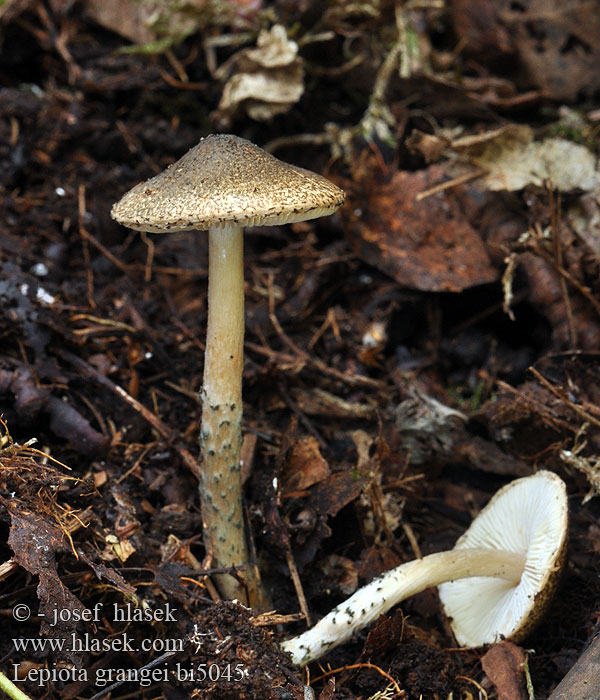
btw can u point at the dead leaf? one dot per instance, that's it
(476, 23)
(130, 19)
(387, 633)
(305, 465)
(558, 43)
(331, 495)
(114, 548)
(328, 691)
(377, 559)
(546, 294)
(35, 540)
(427, 245)
(268, 79)
(430, 146)
(584, 217)
(105, 573)
(504, 665)
(148, 21)
(478, 453)
(513, 160)
(426, 427)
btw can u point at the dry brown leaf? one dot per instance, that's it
(35, 541)
(429, 146)
(328, 690)
(504, 665)
(329, 496)
(558, 42)
(476, 23)
(305, 465)
(427, 245)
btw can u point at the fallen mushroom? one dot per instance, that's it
(223, 184)
(509, 560)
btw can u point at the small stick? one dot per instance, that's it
(161, 428)
(559, 395)
(87, 237)
(449, 184)
(354, 379)
(399, 692)
(84, 245)
(7, 568)
(289, 557)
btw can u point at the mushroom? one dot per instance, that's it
(509, 560)
(223, 184)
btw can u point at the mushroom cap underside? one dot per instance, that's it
(226, 180)
(528, 516)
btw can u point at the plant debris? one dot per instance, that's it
(404, 358)
(266, 81)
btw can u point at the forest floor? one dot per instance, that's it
(404, 358)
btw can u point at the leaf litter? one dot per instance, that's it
(381, 331)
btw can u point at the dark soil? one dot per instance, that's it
(102, 352)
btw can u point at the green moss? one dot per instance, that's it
(583, 137)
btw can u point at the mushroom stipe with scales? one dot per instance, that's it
(495, 584)
(223, 184)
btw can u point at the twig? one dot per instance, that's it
(351, 379)
(87, 237)
(482, 692)
(560, 395)
(399, 692)
(543, 411)
(7, 568)
(410, 535)
(161, 428)
(270, 619)
(582, 289)
(84, 244)
(450, 183)
(289, 557)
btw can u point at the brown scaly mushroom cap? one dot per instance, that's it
(226, 180)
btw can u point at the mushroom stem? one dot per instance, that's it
(221, 433)
(395, 585)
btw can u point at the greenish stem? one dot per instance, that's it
(221, 431)
(8, 687)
